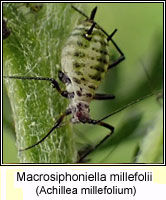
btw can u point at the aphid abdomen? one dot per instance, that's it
(85, 59)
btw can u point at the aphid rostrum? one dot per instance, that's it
(84, 61)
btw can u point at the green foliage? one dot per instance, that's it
(151, 147)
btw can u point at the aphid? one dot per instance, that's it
(85, 61)
(6, 31)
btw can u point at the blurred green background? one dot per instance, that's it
(140, 37)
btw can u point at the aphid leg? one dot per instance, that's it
(103, 96)
(53, 81)
(57, 124)
(122, 57)
(63, 77)
(98, 122)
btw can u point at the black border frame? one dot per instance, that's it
(86, 164)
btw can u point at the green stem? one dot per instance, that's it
(34, 49)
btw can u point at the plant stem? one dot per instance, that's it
(34, 49)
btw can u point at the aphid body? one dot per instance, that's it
(85, 60)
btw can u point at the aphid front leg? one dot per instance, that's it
(52, 80)
(97, 122)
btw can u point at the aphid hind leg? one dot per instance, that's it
(63, 77)
(103, 96)
(122, 57)
(57, 124)
(97, 122)
(52, 80)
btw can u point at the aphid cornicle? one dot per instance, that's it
(84, 61)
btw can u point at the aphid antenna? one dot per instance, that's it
(79, 11)
(130, 104)
(28, 78)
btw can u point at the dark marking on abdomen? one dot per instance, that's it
(92, 87)
(88, 94)
(96, 77)
(101, 42)
(79, 93)
(83, 79)
(102, 60)
(76, 80)
(98, 68)
(79, 54)
(81, 45)
(79, 73)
